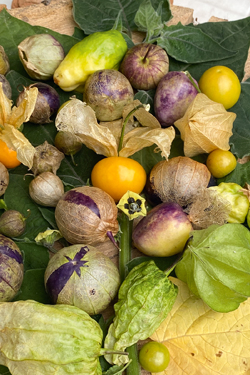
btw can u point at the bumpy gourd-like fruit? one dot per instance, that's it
(100, 50)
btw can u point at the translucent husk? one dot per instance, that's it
(143, 130)
(206, 126)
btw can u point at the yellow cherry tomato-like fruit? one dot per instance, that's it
(154, 356)
(221, 85)
(8, 157)
(116, 175)
(220, 163)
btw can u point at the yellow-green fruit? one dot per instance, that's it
(100, 50)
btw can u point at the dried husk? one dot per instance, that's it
(86, 215)
(208, 208)
(46, 189)
(4, 62)
(179, 179)
(4, 179)
(206, 126)
(11, 119)
(47, 158)
(12, 223)
(103, 138)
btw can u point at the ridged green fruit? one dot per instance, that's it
(100, 50)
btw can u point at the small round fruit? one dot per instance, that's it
(220, 163)
(221, 85)
(8, 157)
(116, 175)
(154, 357)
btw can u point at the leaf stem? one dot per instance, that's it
(124, 125)
(192, 81)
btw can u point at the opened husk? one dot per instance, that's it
(206, 126)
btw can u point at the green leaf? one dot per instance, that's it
(4, 370)
(216, 266)
(33, 287)
(146, 97)
(227, 34)
(13, 31)
(240, 175)
(191, 45)
(17, 197)
(35, 256)
(149, 20)
(98, 15)
(240, 140)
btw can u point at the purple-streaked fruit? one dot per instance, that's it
(47, 103)
(163, 232)
(87, 215)
(173, 95)
(82, 276)
(107, 92)
(144, 65)
(11, 269)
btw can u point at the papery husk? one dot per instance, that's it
(11, 119)
(4, 179)
(77, 117)
(206, 126)
(79, 223)
(208, 208)
(47, 158)
(178, 179)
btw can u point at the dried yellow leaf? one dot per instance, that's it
(202, 341)
(206, 126)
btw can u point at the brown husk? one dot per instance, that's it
(47, 158)
(207, 209)
(206, 126)
(4, 179)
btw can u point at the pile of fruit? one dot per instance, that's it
(123, 194)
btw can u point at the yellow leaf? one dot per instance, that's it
(206, 126)
(202, 341)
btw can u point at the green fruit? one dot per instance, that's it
(100, 50)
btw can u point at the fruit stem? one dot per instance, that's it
(125, 256)
(125, 123)
(192, 81)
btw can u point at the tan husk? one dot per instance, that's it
(46, 189)
(206, 126)
(4, 179)
(103, 138)
(80, 224)
(207, 209)
(179, 179)
(47, 158)
(11, 119)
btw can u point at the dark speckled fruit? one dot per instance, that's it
(163, 232)
(173, 95)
